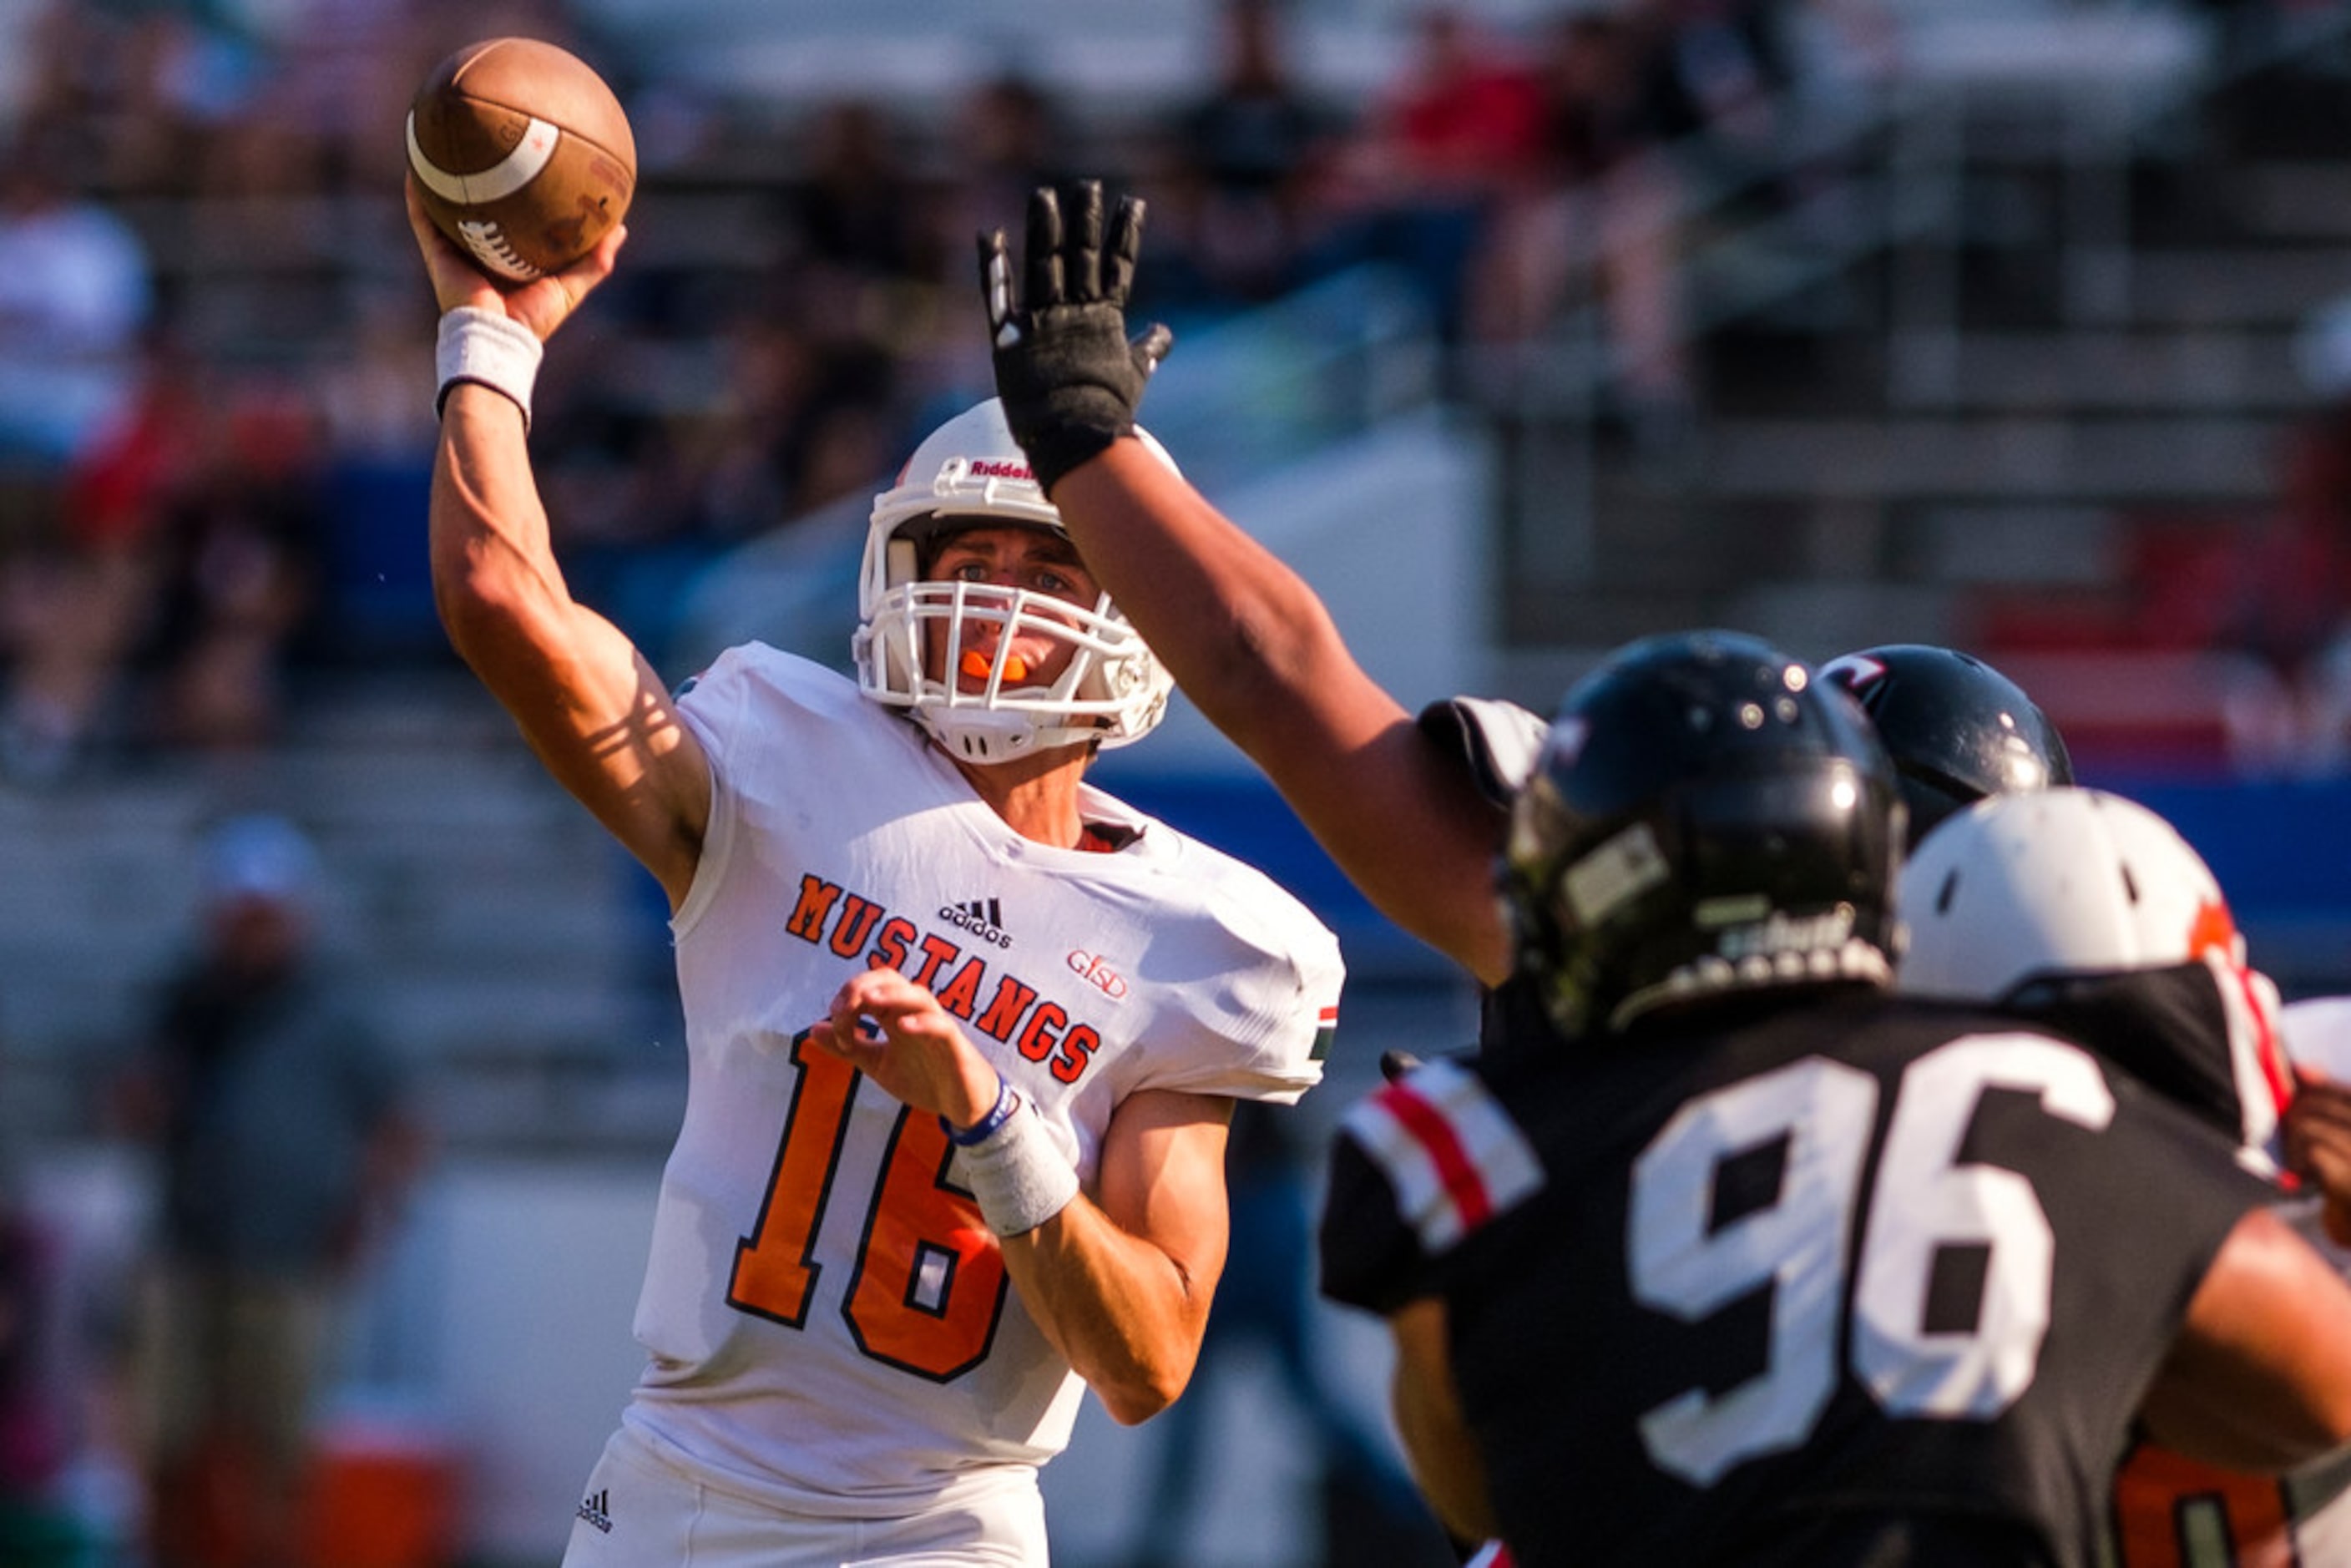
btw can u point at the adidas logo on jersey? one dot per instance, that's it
(596, 1508)
(983, 917)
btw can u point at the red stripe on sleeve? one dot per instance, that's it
(1429, 1128)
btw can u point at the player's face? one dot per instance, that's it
(1043, 564)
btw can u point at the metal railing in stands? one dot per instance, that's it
(1245, 394)
(2101, 80)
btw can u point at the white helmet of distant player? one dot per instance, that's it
(967, 471)
(2050, 902)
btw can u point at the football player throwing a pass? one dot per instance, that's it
(963, 1033)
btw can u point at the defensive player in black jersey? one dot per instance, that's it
(1745, 1262)
(1849, 1281)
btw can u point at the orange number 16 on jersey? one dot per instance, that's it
(929, 1284)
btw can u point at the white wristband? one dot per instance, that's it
(1018, 1173)
(494, 349)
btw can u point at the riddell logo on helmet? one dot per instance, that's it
(999, 468)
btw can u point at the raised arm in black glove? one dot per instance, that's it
(1065, 371)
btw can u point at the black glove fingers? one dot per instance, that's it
(1123, 248)
(996, 285)
(1081, 241)
(1044, 287)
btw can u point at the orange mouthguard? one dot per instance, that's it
(975, 665)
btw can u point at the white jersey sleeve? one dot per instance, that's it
(2317, 1031)
(1261, 974)
(825, 1317)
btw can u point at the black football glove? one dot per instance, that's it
(1069, 379)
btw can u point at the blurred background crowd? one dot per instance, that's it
(208, 427)
(2020, 325)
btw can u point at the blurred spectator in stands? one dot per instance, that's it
(1233, 198)
(77, 585)
(40, 1524)
(239, 574)
(2286, 599)
(76, 292)
(646, 493)
(2251, 54)
(1004, 139)
(136, 86)
(279, 1117)
(1266, 1303)
(373, 596)
(1718, 81)
(853, 436)
(76, 297)
(366, 390)
(1454, 134)
(1462, 117)
(853, 207)
(1599, 219)
(164, 605)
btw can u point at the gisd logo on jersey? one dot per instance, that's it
(1098, 973)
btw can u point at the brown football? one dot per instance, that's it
(525, 155)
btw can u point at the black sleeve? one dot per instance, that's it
(1370, 1256)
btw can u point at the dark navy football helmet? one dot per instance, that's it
(1957, 728)
(1706, 817)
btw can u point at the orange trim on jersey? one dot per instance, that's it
(2159, 1494)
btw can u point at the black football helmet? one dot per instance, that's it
(1706, 817)
(1957, 728)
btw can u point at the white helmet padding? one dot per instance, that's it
(971, 471)
(2089, 913)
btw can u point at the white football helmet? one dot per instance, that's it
(2056, 902)
(1114, 690)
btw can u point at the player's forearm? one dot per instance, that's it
(1120, 1310)
(1436, 1439)
(2260, 1377)
(495, 578)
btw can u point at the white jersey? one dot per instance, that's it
(2176, 1513)
(829, 1325)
